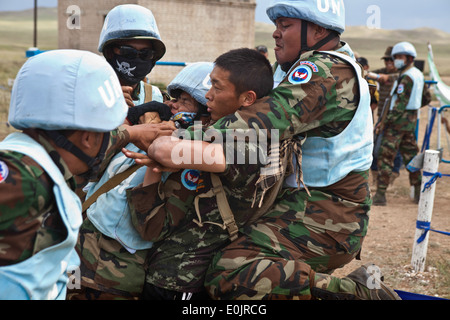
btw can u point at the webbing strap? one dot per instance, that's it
(148, 89)
(224, 208)
(110, 184)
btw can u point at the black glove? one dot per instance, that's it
(134, 113)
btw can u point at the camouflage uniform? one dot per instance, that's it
(399, 135)
(30, 220)
(384, 94)
(185, 240)
(385, 89)
(105, 263)
(325, 230)
(29, 217)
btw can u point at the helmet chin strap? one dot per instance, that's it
(92, 162)
(304, 45)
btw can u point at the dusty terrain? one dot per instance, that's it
(390, 238)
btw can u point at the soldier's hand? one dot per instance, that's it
(378, 128)
(127, 91)
(138, 157)
(142, 135)
(383, 79)
(145, 160)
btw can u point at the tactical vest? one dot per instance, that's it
(327, 160)
(415, 100)
(43, 276)
(110, 213)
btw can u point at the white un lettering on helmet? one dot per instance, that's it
(207, 81)
(335, 5)
(112, 93)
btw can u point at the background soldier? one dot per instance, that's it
(386, 78)
(400, 124)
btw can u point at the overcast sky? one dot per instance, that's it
(394, 14)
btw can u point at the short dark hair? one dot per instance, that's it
(249, 70)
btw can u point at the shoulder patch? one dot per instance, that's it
(310, 64)
(4, 171)
(190, 178)
(301, 74)
(401, 88)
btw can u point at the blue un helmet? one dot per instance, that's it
(329, 14)
(193, 79)
(130, 21)
(67, 90)
(404, 48)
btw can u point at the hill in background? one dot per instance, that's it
(16, 35)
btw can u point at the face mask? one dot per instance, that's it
(183, 119)
(399, 63)
(130, 71)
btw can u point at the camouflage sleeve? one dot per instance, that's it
(403, 92)
(157, 209)
(118, 139)
(25, 194)
(294, 108)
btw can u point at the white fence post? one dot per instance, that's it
(419, 254)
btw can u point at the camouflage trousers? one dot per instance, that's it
(395, 140)
(275, 257)
(108, 270)
(91, 294)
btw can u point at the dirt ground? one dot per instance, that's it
(390, 237)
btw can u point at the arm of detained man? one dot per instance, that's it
(143, 135)
(177, 153)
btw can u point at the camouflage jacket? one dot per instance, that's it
(29, 218)
(323, 106)
(398, 117)
(184, 240)
(385, 89)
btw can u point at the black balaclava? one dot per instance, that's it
(130, 71)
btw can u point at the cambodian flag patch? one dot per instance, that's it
(301, 74)
(4, 171)
(190, 178)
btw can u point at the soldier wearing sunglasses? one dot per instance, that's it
(132, 47)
